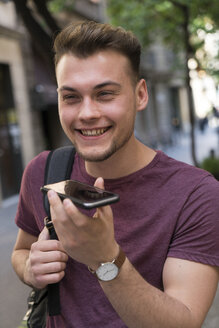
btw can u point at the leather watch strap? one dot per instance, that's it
(120, 258)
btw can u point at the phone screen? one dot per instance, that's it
(81, 194)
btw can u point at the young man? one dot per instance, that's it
(162, 235)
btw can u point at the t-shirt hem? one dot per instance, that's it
(27, 229)
(196, 257)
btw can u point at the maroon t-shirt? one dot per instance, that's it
(166, 209)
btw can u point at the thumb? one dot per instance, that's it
(44, 235)
(103, 210)
(99, 183)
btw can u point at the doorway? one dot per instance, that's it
(10, 147)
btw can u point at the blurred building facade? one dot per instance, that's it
(16, 148)
(28, 100)
(167, 113)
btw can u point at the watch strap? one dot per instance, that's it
(120, 258)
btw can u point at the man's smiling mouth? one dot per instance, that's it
(93, 132)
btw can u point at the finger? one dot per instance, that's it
(51, 267)
(42, 280)
(53, 198)
(51, 278)
(56, 207)
(44, 235)
(99, 183)
(75, 215)
(47, 245)
(64, 214)
(103, 210)
(54, 256)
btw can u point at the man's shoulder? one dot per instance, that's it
(183, 175)
(34, 171)
(38, 162)
(173, 165)
(39, 158)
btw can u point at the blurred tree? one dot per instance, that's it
(182, 24)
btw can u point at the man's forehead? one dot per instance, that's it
(102, 57)
(109, 68)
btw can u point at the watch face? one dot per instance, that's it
(107, 271)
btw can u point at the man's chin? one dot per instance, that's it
(95, 156)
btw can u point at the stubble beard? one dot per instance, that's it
(115, 146)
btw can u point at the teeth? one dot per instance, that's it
(94, 132)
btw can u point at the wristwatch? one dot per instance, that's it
(109, 270)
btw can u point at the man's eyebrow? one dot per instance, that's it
(107, 83)
(98, 86)
(66, 88)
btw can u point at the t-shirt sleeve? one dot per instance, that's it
(30, 197)
(196, 236)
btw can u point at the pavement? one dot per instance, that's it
(14, 293)
(13, 296)
(204, 142)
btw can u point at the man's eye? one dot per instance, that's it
(71, 98)
(106, 95)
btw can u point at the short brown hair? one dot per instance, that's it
(83, 39)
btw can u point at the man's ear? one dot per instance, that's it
(141, 95)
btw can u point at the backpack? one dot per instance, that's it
(46, 301)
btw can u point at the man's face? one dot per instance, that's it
(97, 103)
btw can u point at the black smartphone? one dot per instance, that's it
(81, 194)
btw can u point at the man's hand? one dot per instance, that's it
(46, 262)
(89, 240)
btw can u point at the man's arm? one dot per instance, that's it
(38, 261)
(189, 289)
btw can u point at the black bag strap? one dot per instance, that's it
(58, 168)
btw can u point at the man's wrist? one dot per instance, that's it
(26, 273)
(109, 270)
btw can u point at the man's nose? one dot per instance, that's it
(89, 110)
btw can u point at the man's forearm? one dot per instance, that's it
(141, 305)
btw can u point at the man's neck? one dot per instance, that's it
(123, 162)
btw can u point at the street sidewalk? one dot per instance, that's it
(13, 296)
(204, 142)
